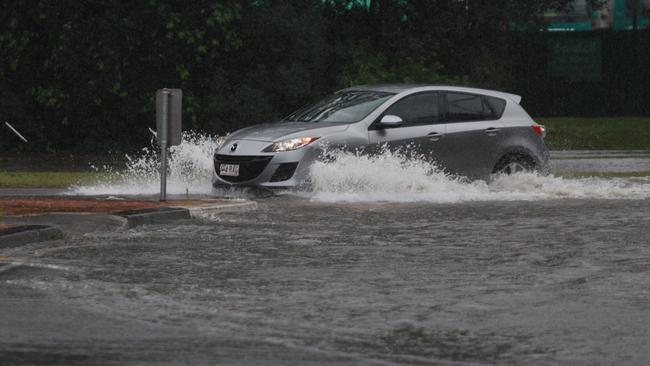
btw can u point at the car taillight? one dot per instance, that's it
(539, 130)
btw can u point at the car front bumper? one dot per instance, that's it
(256, 168)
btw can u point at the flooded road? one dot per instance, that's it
(556, 281)
(599, 162)
(385, 261)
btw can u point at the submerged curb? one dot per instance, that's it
(208, 210)
(152, 216)
(15, 236)
(33, 228)
(162, 215)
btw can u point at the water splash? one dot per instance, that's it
(190, 170)
(351, 177)
(392, 177)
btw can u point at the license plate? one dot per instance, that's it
(231, 170)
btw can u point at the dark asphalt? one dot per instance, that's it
(299, 282)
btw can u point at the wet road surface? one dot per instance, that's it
(300, 282)
(612, 161)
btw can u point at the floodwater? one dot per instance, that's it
(367, 268)
(392, 177)
(302, 282)
(608, 161)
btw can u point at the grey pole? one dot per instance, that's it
(162, 139)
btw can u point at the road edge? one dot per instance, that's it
(19, 235)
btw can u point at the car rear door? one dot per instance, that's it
(422, 131)
(473, 133)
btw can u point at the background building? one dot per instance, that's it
(614, 14)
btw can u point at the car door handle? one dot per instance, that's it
(492, 131)
(435, 136)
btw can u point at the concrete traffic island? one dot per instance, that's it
(17, 235)
(28, 220)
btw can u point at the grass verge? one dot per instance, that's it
(602, 133)
(48, 179)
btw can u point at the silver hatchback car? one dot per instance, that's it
(465, 131)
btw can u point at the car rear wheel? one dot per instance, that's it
(514, 163)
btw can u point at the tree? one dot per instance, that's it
(86, 71)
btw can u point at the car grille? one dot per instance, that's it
(249, 166)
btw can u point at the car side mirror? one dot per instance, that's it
(390, 120)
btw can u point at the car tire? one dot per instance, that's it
(514, 163)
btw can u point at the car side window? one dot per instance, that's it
(462, 107)
(417, 109)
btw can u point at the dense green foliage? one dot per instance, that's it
(81, 75)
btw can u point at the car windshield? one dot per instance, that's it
(344, 107)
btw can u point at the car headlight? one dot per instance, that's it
(291, 144)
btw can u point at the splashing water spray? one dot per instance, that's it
(353, 177)
(398, 177)
(190, 170)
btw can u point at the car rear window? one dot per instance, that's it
(464, 107)
(497, 105)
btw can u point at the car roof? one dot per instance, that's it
(399, 88)
(388, 88)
